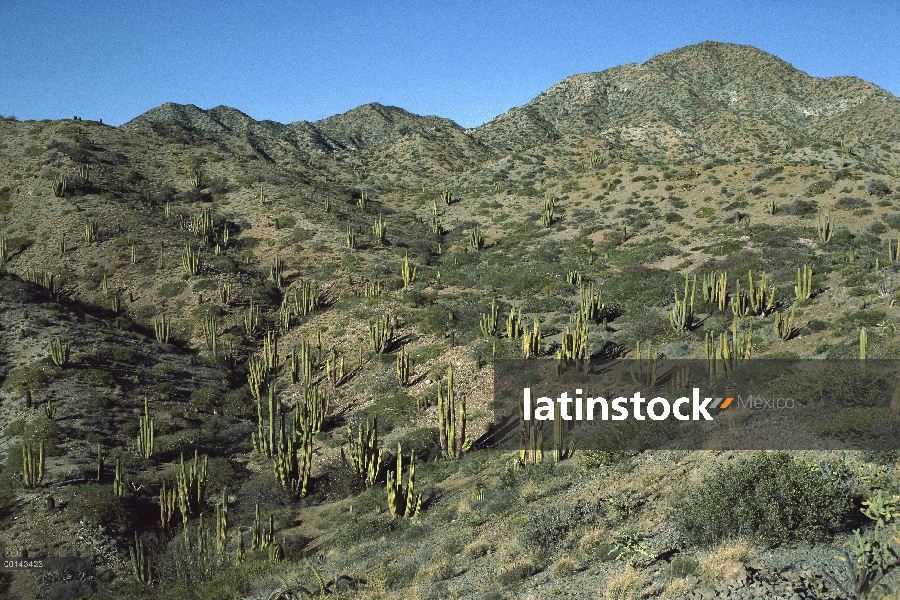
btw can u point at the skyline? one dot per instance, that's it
(469, 62)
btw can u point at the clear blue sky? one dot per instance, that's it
(467, 61)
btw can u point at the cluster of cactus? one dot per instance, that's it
(145, 435)
(403, 500)
(574, 277)
(863, 344)
(595, 159)
(447, 197)
(263, 439)
(771, 207)
(203, 225)
(301, 361)
(32, 470)
(893, 251)
(351, 238)
(91, 228)
(591, 306)
(311, 412)
(756, 300)
(437, 226)
(276, 271)
(59, 353)
(404, 366)
(140, 561)
(647, 361)
(547, 215)
(190, 260)
(133, 253)
(292, 461)
(803, 289)
(250, 317)
(263, 197)
(161, 329)
(50, 409)
(363, 201)
(118, 483)
(334, 369)
(190, 486)
(378, 228)
(61, 245)
(381, 333)
(372, 288)
(4, 250)
(44, 279)
(715, 289)
(196, 176)
(514, 329)
(210, 324)
(531, 442)
(531, 340)
(262, 366)
(488, 322)
(729, 353)
(825, 228)
(681, 318)
(84, 172)
(574, 340)
(407, 272)
(364, 455)
(784, 325)
(59, 186)
(221, 513)
(563, 447)
(476, 239)
(225, 293)
(261, 538)
(451, 419)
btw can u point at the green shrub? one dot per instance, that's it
(772, 496)
(171, 289)
(98, 505)
(206, 399)
(95, 376)
(877, 187)
(819, 187)
(803, 208)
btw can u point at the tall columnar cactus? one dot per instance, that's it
(403, 500)
(803, 289)
(682, 316)
(476, 239)
(4, 250)
(404, 366)
(363, 201)
(84, 172)
(59, 352)
(715, 289)
(381, 333)
(761, 298)
(100, 465)
(531, 340)
(784, 325)
(863, 344)
(488, 322)
(264, 438)
(190, 260)
(276, 271)
(225, 293)
(250, 318)
(771, 207)
(145, 433)
(591, 304)
(161, 329)
(574, 340)
(547, 215)
(292, 462)
(351, 238)
(407, 272)
(451, 419)
(191, 486)
(310, 414)
(140, 562)
(447, 197)
(365, 457)
(59, 186)
(437, 226)
(514, 328)
(222, 521)
(118, 483)
(90, 230)
(32, 469)
(825, 228)
(893, 251)
(167, 504)
(378, 228)
(196, 177)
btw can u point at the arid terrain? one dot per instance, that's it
(216, 332)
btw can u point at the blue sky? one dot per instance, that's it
(467, 61)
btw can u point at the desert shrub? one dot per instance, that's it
(850, 203)
(803, 208)
(114, 352)
(548, 528)
(28, 377)
(206, 399)
(423, 442)
(705, 212)
(772, 496)
(877, 187)
(95, 376)
(362, 528)
(171, 289)
(892, 220)
(819, 187)
(165, 194)
(768, 172)
(98, 505)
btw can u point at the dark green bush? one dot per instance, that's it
(877, 187)
(819, 187)
(206, 399)
(98, 505)
(803, 208)
(171, 289)
(773, 497)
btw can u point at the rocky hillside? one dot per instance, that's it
(225, 341)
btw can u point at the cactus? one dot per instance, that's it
(191, 486)
(145, 433)
(825, 228)
(378, 228)
(59, 186)
(310, 414)
(222, 522)
(190, 260)
(167, 504)
(292, 462)
(863, 344)
(514, 324)
(591, 304)
(363, 201)
(649, 377)
(365, 456)
(404, 366)
(90, 231)
(380, 334)
(50, 410)
(803, 289)
(893, 251)
(488, 322)
(784, 325)
(140, 562)
(161, 329)
(437, 226)
(84, 172)
(574, 277)
(209, 323)
(771, 207)
(447, 197)
(251, 318)
(408, 274)
(547, 215)
(264, 438)
(58, 352)
(100, 465)
(761, 297)
(729, 353)
(196, 177)
(225, 294)
(118, 484)
(682, 316)
(351, 238)
(574, 340)
(276, 271)
(531, 340)
(403, 501)
(32, 470)
(476, 239)
(451, 420)
(4, 250)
